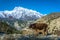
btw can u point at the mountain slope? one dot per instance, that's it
(7, 29)
(21, 13)
(53, 21)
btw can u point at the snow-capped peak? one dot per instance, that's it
(20, 13)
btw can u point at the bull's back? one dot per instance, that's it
(41, 26)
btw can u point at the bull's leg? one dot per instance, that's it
(41, 32)
(45, 33)
(35, 33)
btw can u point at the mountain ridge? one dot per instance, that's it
(21, 13)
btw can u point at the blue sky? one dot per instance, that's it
(42, 6)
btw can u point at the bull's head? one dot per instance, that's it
(33, 26)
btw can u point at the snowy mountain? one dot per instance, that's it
(21, 13)
(21, 17)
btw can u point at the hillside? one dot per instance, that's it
(7, 29)
(53, 21)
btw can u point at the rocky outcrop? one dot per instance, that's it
(54, 26)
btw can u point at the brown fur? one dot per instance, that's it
(40, 27)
